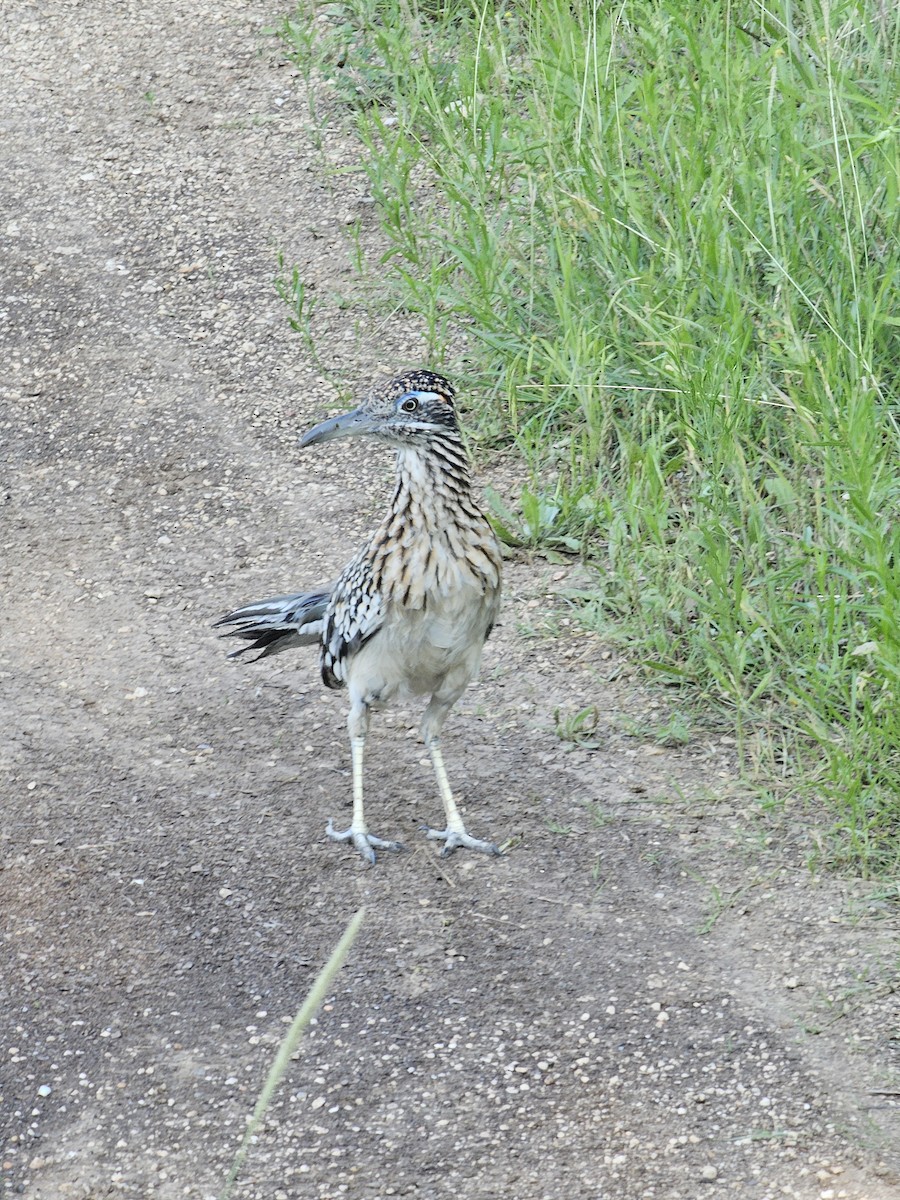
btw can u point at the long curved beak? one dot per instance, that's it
(351, 424)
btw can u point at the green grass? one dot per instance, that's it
(660, 242)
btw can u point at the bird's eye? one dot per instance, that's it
(410, 404)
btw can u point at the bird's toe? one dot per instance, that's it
(366, 843)
(454, 839)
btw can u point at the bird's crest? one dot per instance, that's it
(418, 380)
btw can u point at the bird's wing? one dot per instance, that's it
(355, 614)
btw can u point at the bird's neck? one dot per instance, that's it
(434, 484)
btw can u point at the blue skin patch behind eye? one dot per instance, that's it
(418, 396)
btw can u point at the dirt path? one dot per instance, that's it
(625, 1006)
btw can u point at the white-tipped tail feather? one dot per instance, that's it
(282, 623)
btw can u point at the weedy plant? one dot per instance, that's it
(666, 238)
(297, 295)
(579, 728)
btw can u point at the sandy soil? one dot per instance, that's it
(648, 996)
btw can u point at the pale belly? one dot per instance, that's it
(437, 648)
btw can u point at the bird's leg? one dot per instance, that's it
(455, 834)
(365, 842)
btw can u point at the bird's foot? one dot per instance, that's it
(454, 838)
(365, 842)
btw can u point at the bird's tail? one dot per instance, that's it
(282, 623)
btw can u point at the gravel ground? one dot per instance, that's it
(648, 996)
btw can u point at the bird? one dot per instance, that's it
(410, 613)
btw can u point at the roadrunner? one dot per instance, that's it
(411, 612)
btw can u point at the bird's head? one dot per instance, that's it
(407, 409)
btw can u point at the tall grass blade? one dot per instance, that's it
(315, 996)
